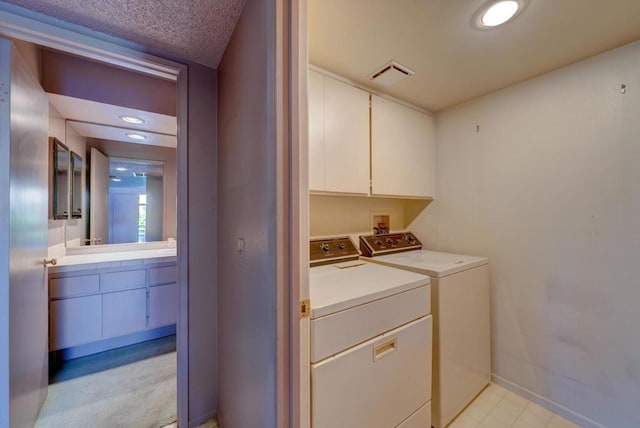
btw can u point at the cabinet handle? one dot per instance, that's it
(52, 261)
(383, 349)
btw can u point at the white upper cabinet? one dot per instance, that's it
(315, 88)
(338, 136)
(402, 150)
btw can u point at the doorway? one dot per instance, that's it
(64, 41)
(122, 182)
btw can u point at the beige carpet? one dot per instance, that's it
(137, 395)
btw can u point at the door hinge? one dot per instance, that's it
(305, 308)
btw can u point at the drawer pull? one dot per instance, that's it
(383, 349)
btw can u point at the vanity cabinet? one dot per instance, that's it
(338, 136)
(162, 308)
(163, 292)
(402, 150)
(124, 312)
(77, 321)
(88, 306)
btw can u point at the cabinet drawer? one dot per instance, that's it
(386, 379)
(114, 281)
(124, 312)
(74, 286)
(162, 275)
(334, 333)
(75, 321)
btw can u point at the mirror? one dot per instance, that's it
(123, 190)
(76, 185)
(60, 179)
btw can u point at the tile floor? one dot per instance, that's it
(211, 423)
(496, 407)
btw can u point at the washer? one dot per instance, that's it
(371, 339)
(461, 311)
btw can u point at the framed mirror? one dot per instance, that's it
(76, 185)
(60, 179)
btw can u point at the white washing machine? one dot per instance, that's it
(371, 338)
(461, 317)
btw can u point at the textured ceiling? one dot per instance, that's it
(197, 30)
(455, 62)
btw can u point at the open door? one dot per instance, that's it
(99, 198)
(24, 121)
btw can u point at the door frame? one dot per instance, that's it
(299, 328)
(53, 35)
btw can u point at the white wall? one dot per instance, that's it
(549, 189)
(352, 215)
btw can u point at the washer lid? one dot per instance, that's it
(432, 263)
(341, 286)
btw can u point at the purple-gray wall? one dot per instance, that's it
(202, 265)
(247, 211)
(91, 80)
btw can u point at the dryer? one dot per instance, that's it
(461, 317)
(371, 336)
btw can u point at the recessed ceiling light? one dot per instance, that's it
(117, 180)
(137, 136)
(121, 169)
(497, 12)
(131, 119)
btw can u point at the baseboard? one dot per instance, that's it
(204, 418)
(546, 403)
(107, 344)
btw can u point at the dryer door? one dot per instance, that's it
(377, 384)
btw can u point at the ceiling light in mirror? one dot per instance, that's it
(121, 169)
(131, 119)
(136, 136)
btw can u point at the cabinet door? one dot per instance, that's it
(402, 150)
(163, 305)
(74, 321)
(316, 131)
(346, 138)
(124, 312)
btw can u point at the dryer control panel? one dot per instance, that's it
(376, 245)
(332, 250)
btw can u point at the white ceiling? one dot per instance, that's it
(98, 120)
(196, 30)
(455, 62)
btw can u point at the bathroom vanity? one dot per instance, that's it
(107, 300)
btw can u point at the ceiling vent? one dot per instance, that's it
(391, 73)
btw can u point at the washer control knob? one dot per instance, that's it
(410, 239)
(390, 241)
(325, 247)
(378, 242)
(341, 246)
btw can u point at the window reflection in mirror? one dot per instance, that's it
(135, 200)
(60, 180)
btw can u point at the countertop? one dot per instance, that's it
(113, 259)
